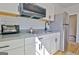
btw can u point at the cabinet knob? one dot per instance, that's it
(39, 47)
(40, 38)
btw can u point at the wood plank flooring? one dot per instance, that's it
(72, 47)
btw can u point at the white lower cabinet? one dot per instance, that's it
(55, 42)
(12, 47)
(58, 41)
(51, 42)
(33, 46)
(16, 51)
(30, 46)
(45, 42)
(30, 50)
(41, 45)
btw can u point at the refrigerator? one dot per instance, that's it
(61, 24)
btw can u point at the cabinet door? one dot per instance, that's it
(45, 52)
(50, 13)
(16, 51)
(30, 41)
(11, 44)
(55, 42)
(52, 43)
(30, 46)
(47, 44)
(58, 41)
(38, 44)
(45, 40)
(29, 50)
(39, 47)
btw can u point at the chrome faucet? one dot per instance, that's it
(46, 22)
(45, 27)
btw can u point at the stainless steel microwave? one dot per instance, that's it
(31, 10)
(9, 29)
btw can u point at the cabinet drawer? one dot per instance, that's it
(16, 51)
(43, 36)
(29, 50)
(11, 44)
(30, 40)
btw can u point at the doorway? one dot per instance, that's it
(72, 27)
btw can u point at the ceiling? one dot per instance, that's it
(65, 5)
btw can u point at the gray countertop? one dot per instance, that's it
(21, 35)
(15, 36)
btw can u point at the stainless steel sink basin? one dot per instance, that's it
(38, 32)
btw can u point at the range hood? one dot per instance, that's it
(31, 10)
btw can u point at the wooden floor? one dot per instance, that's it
(59, 53)
(72, 47)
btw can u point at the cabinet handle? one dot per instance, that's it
(40, 38)
(55, 39)
(4, 46)
(39, 47)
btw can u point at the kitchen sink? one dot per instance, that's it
(38, 32)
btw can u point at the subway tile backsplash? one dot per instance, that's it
(25, 23)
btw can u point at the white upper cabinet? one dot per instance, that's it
(9, 7)
(50, 13)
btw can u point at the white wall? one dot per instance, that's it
(71, 10)
(9, 7)
(58, 9)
